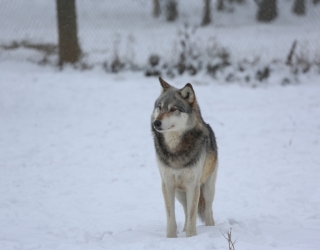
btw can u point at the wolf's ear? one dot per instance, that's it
(164, 84)
(187, 93)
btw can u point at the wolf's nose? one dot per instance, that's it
(157, 124)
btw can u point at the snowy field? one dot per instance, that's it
(78, 167)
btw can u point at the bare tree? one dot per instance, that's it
(267, 11)
(171, 10)
(69, 49)
(156, 8)
(206, 13)
(299, 7)
(220, 5)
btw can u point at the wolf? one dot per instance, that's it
(187, 157)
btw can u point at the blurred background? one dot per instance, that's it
(222, 38)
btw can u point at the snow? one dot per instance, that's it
(77, 163)
(78, 167)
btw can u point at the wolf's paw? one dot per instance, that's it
(190, 233)
(171, 235)
(172, 230)
(210, 222)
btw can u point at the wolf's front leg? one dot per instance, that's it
(169, 195)
(193, 194)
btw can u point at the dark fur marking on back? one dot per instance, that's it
(212, 139)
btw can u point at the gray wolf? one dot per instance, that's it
(187, 157)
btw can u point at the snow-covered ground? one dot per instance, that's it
(78, 169)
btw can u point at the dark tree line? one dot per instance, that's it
(69, 48)
(267, 9)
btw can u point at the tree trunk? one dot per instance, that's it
(299, 7)
(69, 49)
(171, 10)
(240, 1)
(156, 8)
(267, 11)
(206, 13)
(220, 5)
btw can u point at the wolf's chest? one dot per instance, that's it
(178, 150)
(172, 140)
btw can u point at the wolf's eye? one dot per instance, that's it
(173, 109)
(159, 107)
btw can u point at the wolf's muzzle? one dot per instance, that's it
(157, 124)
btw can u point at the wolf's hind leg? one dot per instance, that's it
(208, 190)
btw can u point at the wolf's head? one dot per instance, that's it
(175, 109)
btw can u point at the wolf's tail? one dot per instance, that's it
(201, 205)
